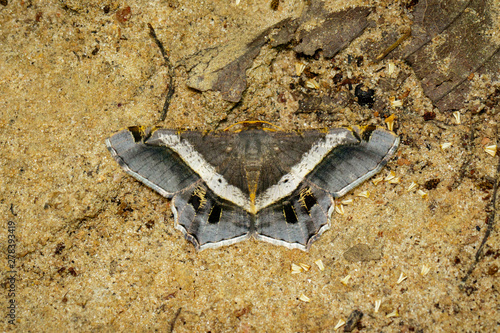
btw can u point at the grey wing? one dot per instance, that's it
(159, 167)
(220, 150)
(297, 220)
(347, 166)
(285, 150)
(205, 220)
(208, 221)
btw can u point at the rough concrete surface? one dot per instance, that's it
(94, 250)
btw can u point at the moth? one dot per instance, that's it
(253, 179)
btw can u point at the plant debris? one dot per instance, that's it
(353, 321)
(362, 252)
(223, 68)
(335, 33)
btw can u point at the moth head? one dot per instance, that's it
(253, 125)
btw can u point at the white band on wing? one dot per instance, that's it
(289, 182)
(207, 172)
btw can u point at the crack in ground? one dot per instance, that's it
(490, 222)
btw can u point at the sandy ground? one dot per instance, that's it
(96, 250)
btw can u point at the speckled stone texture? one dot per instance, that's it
(98, 251)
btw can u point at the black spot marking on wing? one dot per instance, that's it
(195, 201)
(367, 133)
(137, 133)
(289, 213)
(308, 201)
(215, 213)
